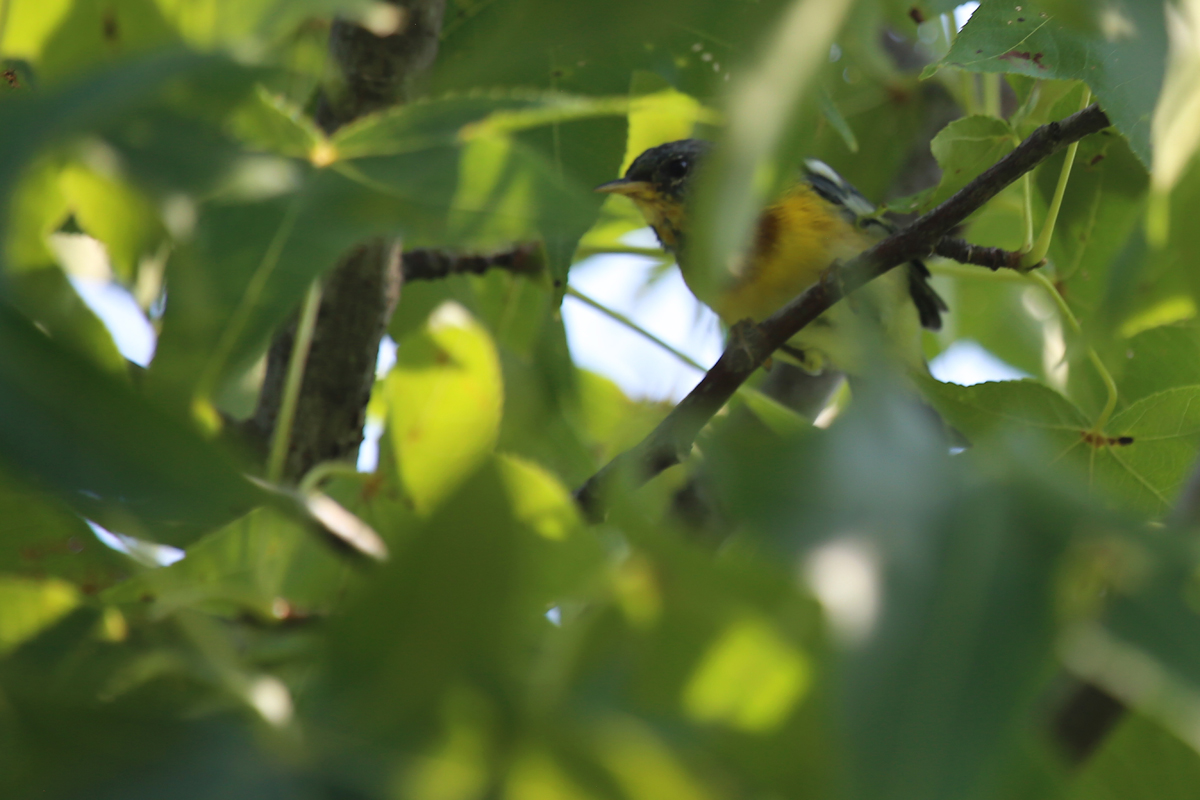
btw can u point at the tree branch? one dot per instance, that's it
(431, 265)
(374, 71)
(668, 443)
(963, 252)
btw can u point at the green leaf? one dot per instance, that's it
(44, 537)
(248, 262)
(263, 563)
(443, 402)
(27, 606)
(1141, 458)
(268, 122)
(463, 156)
(1125, 72)
(1164, 430)
(1164, 357)
(1100, 212)
(46, 298)
(834, 116)
(987, 409)
(585, 48)
(943, 646)
(965, 148)
(116, 214)
(103, 448)
(92, 34)
(31, 122)
(1138, 761)
(453, 594)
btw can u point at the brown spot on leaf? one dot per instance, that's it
(916, 14)
(1096, 159)
(10, 76)
(1098, 440)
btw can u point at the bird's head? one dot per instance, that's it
(658, 181)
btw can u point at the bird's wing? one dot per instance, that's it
(831, 186)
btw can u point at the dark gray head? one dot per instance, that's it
(669, 166)
(665, 169)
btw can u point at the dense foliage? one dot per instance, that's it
(851, 611)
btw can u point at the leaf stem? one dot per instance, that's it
(1109, 384)
(1038, 253)
(1027, 187)
(325, 470)
(616, 316)
(281, 436)
(621, 249)
(991, 93)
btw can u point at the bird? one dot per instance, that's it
(818, 220)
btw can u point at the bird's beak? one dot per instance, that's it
(625, 186)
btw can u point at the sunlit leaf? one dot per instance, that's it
(444, 404)
(31, 605)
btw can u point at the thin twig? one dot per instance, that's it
(431, 265)
(668, 443)
(994, 258)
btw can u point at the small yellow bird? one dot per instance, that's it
(819, 220)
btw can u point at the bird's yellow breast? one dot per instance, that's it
(796, 239)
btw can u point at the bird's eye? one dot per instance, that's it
(676, 168)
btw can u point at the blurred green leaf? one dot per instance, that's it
(451, 594)
(1139, 761)
(1123, 65)
(33, 121)
(45, 538)
(93, 33)
(47, 299)
(443, 401)
(463, 154)
(263, 563)
(936, 584)
(594, 49)
(31, 605)
(103, 448)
